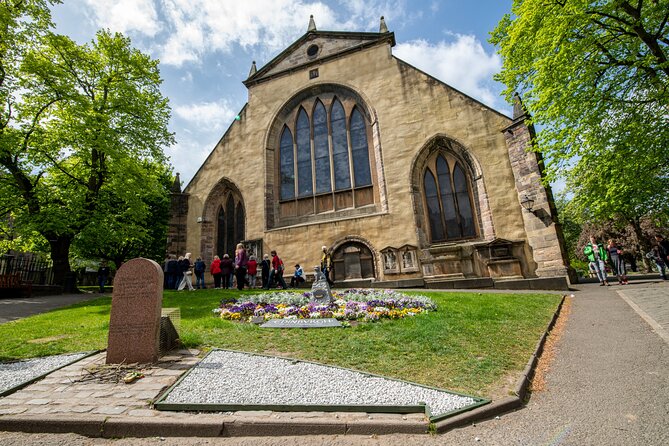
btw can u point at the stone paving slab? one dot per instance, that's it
(651, 302)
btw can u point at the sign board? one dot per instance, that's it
(302, 323)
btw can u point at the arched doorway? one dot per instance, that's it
(230, 226)
(223, 222)
(353, 260)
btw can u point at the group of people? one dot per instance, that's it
(240, 271)
(598, 254)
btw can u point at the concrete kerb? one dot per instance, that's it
(506, 404)
(90, 426)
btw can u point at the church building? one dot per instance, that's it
(407, 181)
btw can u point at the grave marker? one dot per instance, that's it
(134, 323)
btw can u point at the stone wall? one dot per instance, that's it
(409, 109)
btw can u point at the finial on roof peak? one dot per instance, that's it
(312, 24)
(382, 27)
(253, 69)
(176, 186)
(519, 110)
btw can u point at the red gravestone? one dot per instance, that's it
(134, 324)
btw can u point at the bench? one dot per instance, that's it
(11, 285)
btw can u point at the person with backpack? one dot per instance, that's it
(596, 255)
(277, 271)
(265, 267)
(199, 269)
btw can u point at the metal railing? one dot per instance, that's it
(30, 268)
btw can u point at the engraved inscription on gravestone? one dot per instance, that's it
(134, 323)
(320, 289)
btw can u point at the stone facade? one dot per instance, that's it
(410, 118)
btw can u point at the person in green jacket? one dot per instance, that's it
(596, 255)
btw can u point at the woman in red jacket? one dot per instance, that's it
(215, 270)
(252, 270)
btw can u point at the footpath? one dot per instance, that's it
(608, 384)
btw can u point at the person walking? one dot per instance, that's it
(596, 255)
(298, 276)
(277, 271)
(664, 248)
(226, 271)
(656, 255)
(241, 261)
(215, 270)
(199, 269)
(265, 267)
(616, 255)
(252, 271)
(186, 266)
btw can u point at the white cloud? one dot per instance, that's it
(462, 63)
(126, 15)
(198, 127)
(199, 26)
(208, 116)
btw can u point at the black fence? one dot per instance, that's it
(30, 268)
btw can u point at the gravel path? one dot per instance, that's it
(13, 374)
(225, 377)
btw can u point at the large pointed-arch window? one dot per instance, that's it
(287, 167)
(304, 177)
(448, 199)
(342, 172)
(321, 149)
(360, 150)
(324, 161)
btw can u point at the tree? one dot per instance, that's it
(80, 120)
(595, 76)
(120, 230)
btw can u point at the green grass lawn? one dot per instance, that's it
(470, 344)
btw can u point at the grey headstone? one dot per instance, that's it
(320, 289)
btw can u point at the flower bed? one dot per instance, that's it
(354, 304)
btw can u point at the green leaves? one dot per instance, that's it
(82, 131)
(595, 76)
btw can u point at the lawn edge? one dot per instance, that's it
(509, 403)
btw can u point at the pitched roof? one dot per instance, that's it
(315, 47)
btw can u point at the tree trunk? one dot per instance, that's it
(644, 245)
(60, 255)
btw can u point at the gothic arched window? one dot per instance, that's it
(324, 161)
(287, 166)
(321, 149)
(342, 172)
(448, 199)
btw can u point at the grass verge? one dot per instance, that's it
(471, 343)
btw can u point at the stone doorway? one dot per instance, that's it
(230, 226)
(353, 261)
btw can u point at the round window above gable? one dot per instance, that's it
(312, 51)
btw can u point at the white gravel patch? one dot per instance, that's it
(225, 377)
(13, 374)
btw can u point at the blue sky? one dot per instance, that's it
(206, 48)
